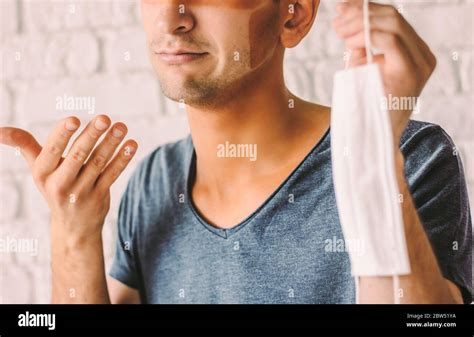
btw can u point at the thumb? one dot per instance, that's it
(22, 139)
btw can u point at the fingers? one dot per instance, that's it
(102, 154)
(117, 165)
(347, 10)
(81, 148)
(394, 24)
(22, 139)
(70, 173)
(396, 56)
(53, 150)
(386, 19)
(397, 25)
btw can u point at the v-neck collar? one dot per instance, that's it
(227, 232)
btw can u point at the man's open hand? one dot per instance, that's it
(76, 187)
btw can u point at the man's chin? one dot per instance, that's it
(193, 95)
(180, 96)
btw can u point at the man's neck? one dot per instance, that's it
(265, 118)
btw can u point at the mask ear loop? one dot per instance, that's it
(368, 42)
(368, 52)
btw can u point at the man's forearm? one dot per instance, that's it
(78, 270)
(425, 283)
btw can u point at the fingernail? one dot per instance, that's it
(117, 133)
(71, 125)
(129, 150)
(101, 125)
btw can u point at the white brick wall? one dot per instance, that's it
(49, 48)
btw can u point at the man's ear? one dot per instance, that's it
(298, 17)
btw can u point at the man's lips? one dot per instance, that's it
(180, 57)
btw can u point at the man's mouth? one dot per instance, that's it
(180, 56)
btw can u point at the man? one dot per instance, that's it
(203, 221)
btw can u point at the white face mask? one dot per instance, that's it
(364, 177)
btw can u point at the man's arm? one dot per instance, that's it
(78, 271)
(86, 265)
(121, 293)
(426, 283)
(406, 63)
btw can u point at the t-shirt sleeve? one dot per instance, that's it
(436, 180)
(124, 267)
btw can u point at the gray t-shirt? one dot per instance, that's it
(289, 250)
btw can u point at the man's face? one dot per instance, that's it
(202, 50)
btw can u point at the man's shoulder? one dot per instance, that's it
(171, 158)
(431, 156)
(170, 153)
(424, 139)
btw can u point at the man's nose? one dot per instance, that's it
(174, 18)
